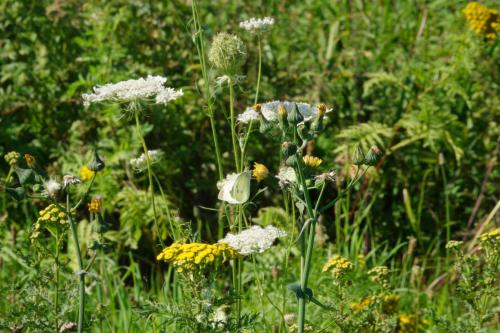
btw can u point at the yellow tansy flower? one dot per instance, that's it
(482, 19)
(338, 265)
(260, 171)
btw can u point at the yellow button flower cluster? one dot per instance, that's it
(482, 19)
(380, 274)
(338, 265)
(390, 303)
(194, 255)
(491, 237)
(51, 214)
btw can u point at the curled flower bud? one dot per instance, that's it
(228, 53)
(97, 163)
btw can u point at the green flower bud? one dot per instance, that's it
(97, 163)
(373, 156)
(228, 53)
(282, 117)
(291, 161)
(295, 117)
(12, 158)
(358, 157)
(288, 149)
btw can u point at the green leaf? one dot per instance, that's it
(17, 193)
(25, 175)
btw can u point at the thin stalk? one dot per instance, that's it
(150, 173)
(259, 45)
(56, 297)
(234, 139)
(81, 273)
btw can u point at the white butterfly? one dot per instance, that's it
(235, 188)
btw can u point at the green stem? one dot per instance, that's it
(56, 297)
(150, 173)
(81, 273)
(234, 138)
(259, 71)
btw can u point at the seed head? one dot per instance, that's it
(228, 53)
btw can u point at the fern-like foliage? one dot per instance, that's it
(380, 78)
(365, 135)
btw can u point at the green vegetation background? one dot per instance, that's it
(408, 76)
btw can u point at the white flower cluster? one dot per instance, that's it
(269, 111)
(140, 163)
(253, 240)
(130, 90)
(257, 24)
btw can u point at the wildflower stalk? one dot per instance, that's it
(150, 173)
(234, 139)
(81, 273)
(259, 47)
(200, 47)
(56, 296)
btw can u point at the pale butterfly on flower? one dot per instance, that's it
(235, 188)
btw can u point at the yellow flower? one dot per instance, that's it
(312, 161)
(390, 303)
(95, 205)
(379, 274)
(260, 172)
(338, 265)
(86, 173)
(51, 214)
(490, 237)
(482, 19)
(364, 304)
(195, 255)
(30, 160)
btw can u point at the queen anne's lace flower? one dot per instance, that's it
(269, 111)
(140, 163)
(149, 88)
(257, 24)
(253, 240)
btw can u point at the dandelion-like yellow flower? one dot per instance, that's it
(86, 173)
(195, 255)
(51, 214)
(312, 161)
(321, 109)
(482, 19)
(260, 171)
(338, 265)
(30, 160)
(95, 205)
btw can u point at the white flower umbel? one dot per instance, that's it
(52, 188)
(151, 88)
(269, 111)
(235, 188)
(140, 163)
(253, 240)
(257, 24)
